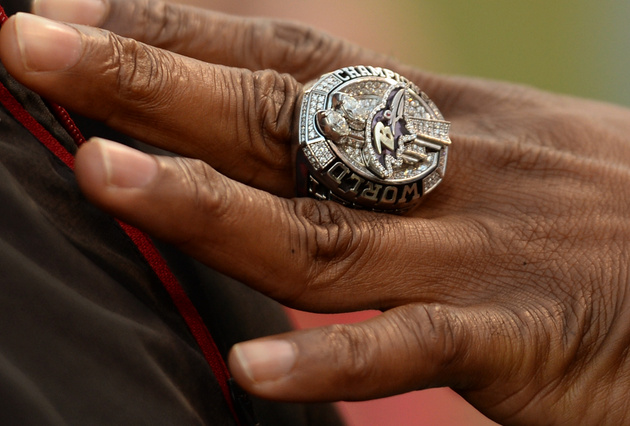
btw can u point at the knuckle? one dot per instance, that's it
(334, 242)
(142, 75)
(195, 180)
(296, 47)
(160, 21)
(435, 332)
(354, 354)
(155, 21)
(296, 42)
(275, 97)
(330, 235)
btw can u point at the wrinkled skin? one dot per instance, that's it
(509, 284)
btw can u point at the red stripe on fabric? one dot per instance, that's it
(23, 117)
(148, 250)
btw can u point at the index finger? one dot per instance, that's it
(237, 120)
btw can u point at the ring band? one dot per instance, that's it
(369, 138)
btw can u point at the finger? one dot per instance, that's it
(308, 254)
(236, 120)
(258, 43)
(252, 43)
(408, 348)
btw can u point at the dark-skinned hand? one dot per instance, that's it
(509, 284)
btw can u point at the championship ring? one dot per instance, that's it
(369, 138)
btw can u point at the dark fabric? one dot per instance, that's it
(88, 335)
(86, 328)
(13, 6)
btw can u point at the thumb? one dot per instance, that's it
(408, 348)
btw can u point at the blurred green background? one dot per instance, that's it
(576, 47)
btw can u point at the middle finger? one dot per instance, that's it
(252, 43)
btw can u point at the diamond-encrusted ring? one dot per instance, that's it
(369, 138)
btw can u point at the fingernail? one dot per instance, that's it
(46, 45)
(125, 167)
(265, 360)
(84, 12)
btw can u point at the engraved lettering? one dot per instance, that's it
(350, 183)
(348, 73)
(371, 191)
(390, 193)
(377, 71)
(410, 192)
(352, 72)
(363, 71)
(342, 75)
(359, 180)
(390, 74)
(338, 171)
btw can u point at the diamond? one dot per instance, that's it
(322, 153)
(332, 124)
(431, 182)
(356, 110)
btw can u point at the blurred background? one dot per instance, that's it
(572, 46)
(576, 47)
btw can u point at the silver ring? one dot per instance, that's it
(369, 138)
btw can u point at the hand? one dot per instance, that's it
(508, 284)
